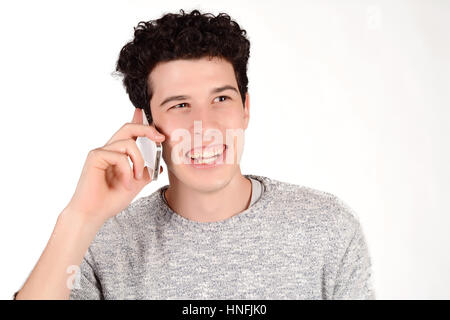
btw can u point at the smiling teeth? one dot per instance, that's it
(207, 154)
(206, 161)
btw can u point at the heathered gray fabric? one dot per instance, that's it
(256, 190)
(294, 242)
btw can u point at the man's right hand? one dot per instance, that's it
(108, 184)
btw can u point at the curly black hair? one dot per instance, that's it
(181, 36)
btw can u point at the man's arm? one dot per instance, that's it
(53, 275)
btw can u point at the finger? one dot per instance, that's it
(107, 158)
(129, 147)
(133, 130)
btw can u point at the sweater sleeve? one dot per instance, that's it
(88, 286)
(354, 276)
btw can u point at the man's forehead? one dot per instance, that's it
(175, 68)
(181, 74)
(216, 60)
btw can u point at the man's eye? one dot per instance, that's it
(175, 107)
(181, 104)
(224, 97)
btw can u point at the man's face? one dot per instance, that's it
(203, 119)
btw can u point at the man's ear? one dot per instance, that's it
(137, 116)
(246, 110)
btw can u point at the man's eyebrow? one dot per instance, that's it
(182, 97)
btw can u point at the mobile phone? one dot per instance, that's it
(151, 152)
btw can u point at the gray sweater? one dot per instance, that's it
(292, 242)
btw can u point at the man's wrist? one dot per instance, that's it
(80, 219)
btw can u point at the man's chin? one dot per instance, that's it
(204, 180)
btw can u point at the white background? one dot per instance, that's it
(353, 97)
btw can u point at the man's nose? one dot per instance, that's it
(204, 120)
(202, 113)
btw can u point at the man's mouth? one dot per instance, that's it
(207, 154)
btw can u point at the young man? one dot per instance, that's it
(212, 233)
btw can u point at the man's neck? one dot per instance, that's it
(218, 205)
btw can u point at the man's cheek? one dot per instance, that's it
(177, 143)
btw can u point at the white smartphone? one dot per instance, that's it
(151, 152)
